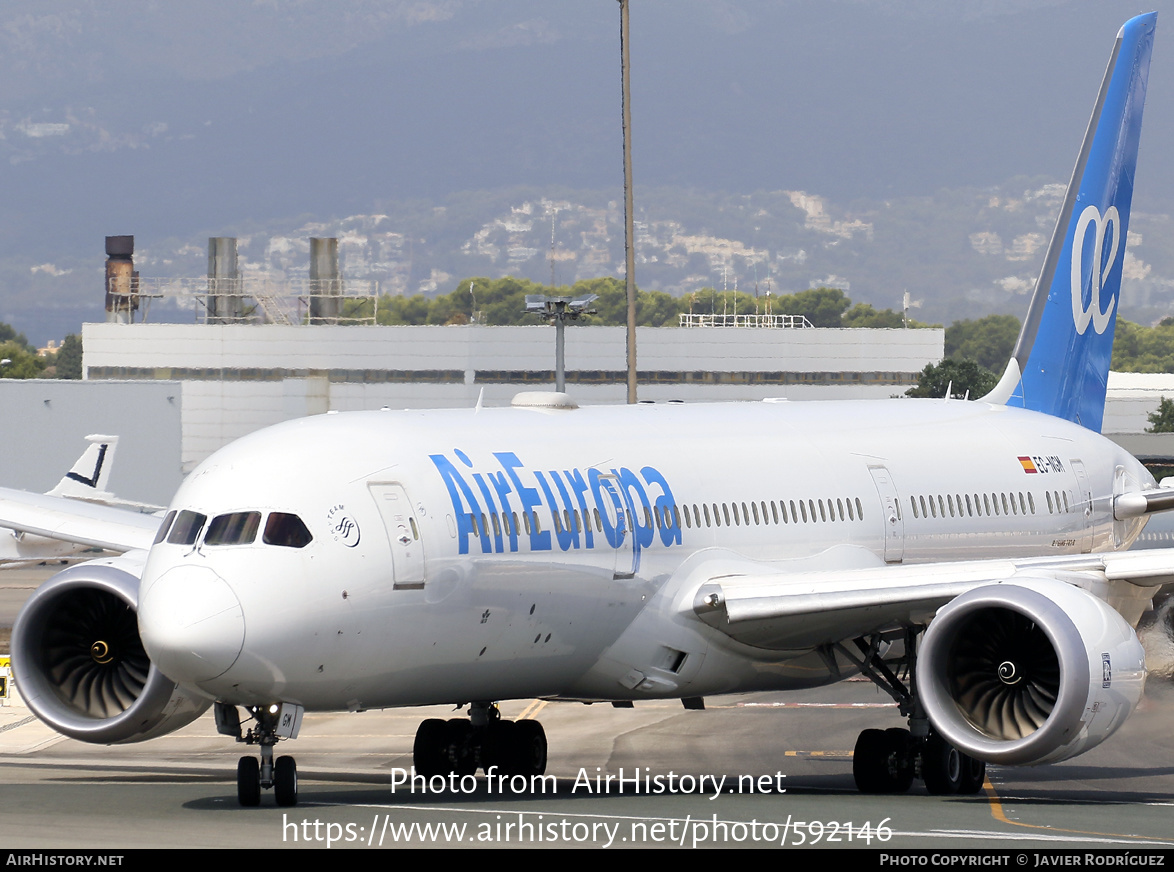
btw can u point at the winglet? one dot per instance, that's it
(1060, 366)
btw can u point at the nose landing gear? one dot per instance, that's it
(252, 776)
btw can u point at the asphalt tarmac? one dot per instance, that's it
(753, 771)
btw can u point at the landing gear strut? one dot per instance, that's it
(461, 746)
(886, 761)
(253, 776)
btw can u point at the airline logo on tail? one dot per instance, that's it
(1059, 366)
(1098, 276)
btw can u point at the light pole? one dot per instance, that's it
(559, 310)
(629, 226)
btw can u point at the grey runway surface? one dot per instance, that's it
(179, 791)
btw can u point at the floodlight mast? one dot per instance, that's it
(629, 226)
(559, 310)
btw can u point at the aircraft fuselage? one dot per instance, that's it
(437, 573)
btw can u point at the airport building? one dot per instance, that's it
(232, 379)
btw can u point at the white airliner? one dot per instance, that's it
(966, 556)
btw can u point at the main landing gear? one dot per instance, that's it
(461, 746)
(253, 776)
(887, 761)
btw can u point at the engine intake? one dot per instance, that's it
(1028, 671)
(81, 666)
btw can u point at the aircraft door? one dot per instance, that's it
(619, 515)
(403, 534)
(891, 511)
(1084, 495)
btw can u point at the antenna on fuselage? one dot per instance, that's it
(480, 399)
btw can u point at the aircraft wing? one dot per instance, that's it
(780, 610)
(68, 520)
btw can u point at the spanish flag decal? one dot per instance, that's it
(1028, 466)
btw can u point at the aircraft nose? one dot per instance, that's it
(191, 623)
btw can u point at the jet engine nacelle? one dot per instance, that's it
(80, 665)
(1028, 671)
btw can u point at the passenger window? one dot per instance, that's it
(238, 528)
(288, 531)
(164, 527)
(187, 528)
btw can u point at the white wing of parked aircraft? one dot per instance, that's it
(965, 556)
(75, 515)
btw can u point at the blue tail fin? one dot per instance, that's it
(1061, 362)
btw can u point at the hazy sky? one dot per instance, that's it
(168, 119)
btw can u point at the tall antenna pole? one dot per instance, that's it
(553, 215)
(629, 225)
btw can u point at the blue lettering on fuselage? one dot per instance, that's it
(624, 501)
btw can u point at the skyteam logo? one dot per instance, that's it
(1099, 270)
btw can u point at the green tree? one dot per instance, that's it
(824, 307)
(1143, 349)
(16, 361)
(8, 334)
(987, 341)
(1162, 421)
(963, 378)
(69, 357)
(864, 315)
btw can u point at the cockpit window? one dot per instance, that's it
(237, 528)
(187, 528)
(286, 530)
(164, 527)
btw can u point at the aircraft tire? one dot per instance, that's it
(285, 781)
(430, 748)
(941, 766)
(899, 759)
(973, 775)
(529, 748)
(462, 757)
(881, 761)
(248, 782)
(498, 747)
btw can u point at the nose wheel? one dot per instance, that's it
(253, 775)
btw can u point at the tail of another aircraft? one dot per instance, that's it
(1060, 365)
(88, 478)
